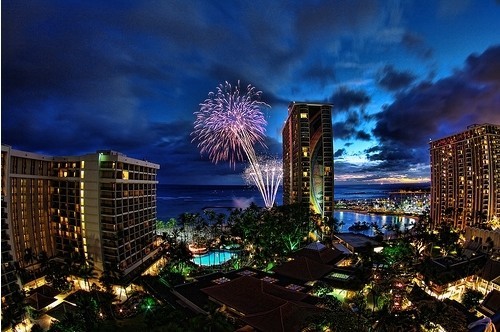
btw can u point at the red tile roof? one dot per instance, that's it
(303, 268)
(263, 305)
(289, 317)
(249, 295)
(324, 255)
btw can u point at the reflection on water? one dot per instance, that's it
(348, 218)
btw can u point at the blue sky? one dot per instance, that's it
(81, 76)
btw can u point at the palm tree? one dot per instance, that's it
(215, 321)
(88, 308)
(87, 272)
(448, 212)
(14, 309)
(336, 318)
(29, 258)
(481, 217)
(43, 259)
(57, 275)
(72, 321)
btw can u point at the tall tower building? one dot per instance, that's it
(99, 206)
(465, 176)
(308, 157)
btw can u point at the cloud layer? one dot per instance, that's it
(128, 76)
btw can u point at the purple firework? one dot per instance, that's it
(228, 124)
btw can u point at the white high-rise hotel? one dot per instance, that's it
(100, 206)
(465, 175)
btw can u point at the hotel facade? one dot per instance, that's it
(308, 157)
(465, 177)
(100, 207)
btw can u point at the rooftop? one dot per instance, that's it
(356, 240)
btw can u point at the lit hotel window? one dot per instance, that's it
(303, 115)
(125, 175)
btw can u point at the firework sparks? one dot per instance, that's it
(227, 127)
(266, 175)
(229, 124)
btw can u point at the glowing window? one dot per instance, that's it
(125, 175)
(303, 115)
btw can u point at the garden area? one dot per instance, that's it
(263, 239)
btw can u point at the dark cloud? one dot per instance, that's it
(416, 44)
(393, 156)
(433, 110)
(83, 76)
(325, 19)
(345, 98)
(392, 80)
(484, 68)
(347, 128)
(320, 73)
(363, 135)
(339, 153)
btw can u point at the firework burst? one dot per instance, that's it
(229, 124)
(227, 127)
(266, 174)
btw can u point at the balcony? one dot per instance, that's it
(110, 244)
(7, 257)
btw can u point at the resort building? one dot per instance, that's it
(10, 282)
(465, 177)
(99, 207)
(308, 157)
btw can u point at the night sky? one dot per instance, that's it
(82, 76)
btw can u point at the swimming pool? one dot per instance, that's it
(213, 257)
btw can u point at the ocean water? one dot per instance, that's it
(173, 200)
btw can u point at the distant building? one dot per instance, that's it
(308, 157)
(465, 176)
(99, 207)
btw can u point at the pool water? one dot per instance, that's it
(213, 257)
